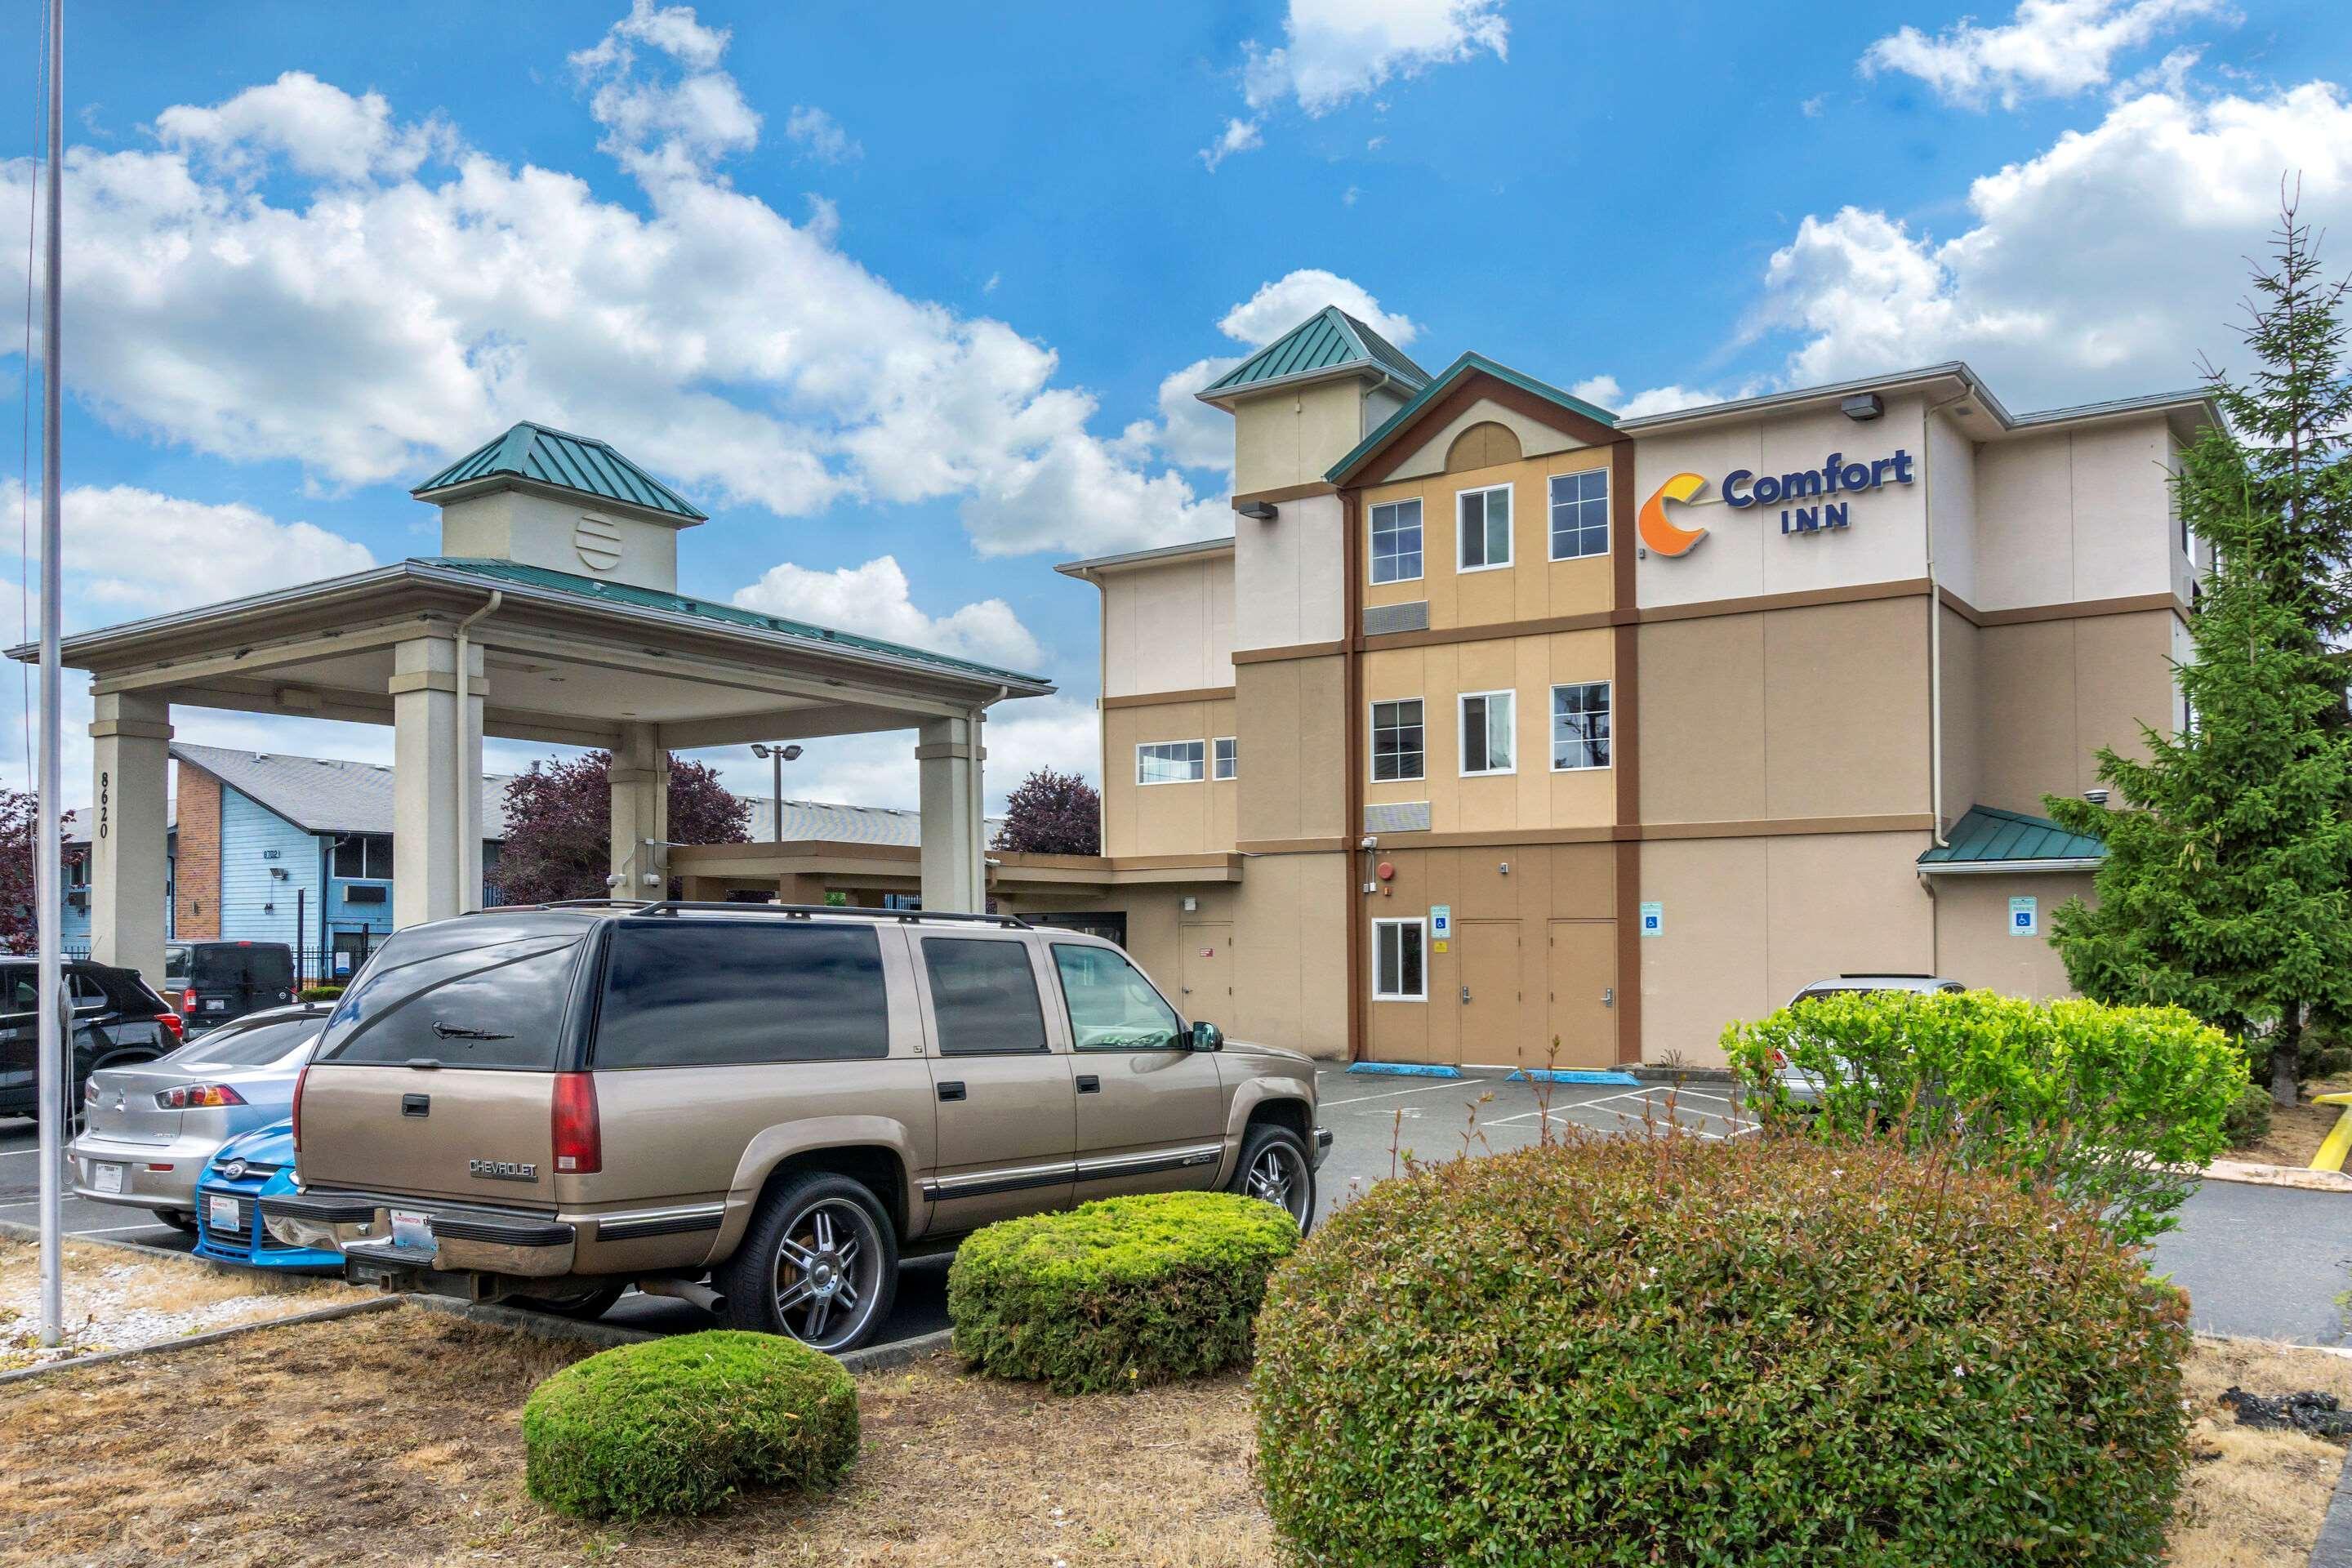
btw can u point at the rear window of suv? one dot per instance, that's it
(462, 993)
(695, 993)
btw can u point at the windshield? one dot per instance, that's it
(472, 993)
(253, 1047)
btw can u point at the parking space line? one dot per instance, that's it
(1391, 1094)
(119, 1229)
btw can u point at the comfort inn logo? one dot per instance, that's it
(1662, 537)
(1810, 493)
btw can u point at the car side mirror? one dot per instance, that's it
(1208, 1037)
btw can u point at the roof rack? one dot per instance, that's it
(809, 911)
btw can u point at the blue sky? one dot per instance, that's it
(912, 298)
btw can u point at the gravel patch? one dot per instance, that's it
(114, 1303)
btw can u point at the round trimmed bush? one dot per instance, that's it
(1669, 1352)
(678, 1425)
(1118, 1293)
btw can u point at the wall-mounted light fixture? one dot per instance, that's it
(1863, 406)
(1258, 510)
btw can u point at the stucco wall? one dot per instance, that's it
(1975, 946)
(1290, 436)
(542, 531)
(1286, 575)
(1292, 716)
(1167, 818)
(2080, 513)
(1168, 628)
(1533, 587)
(2054, 692)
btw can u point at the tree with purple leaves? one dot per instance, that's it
(558, 825)
(1051, 814)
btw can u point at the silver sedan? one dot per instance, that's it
(149, 1129)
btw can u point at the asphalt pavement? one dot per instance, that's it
(2265, 1262)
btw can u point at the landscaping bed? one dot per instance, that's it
(397, 1437)
(116, 1299)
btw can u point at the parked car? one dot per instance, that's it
(148, 1129)
(116, 1020)
(216, 982)
(758, 1109)
(228, 1224)
(1805, 1089)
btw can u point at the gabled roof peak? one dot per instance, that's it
(545, 455)
(1328, 342)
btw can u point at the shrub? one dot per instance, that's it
(1119, 1292)
(2114, 1108)
(319, 994)
(2249, 1120)
(677, 1426)
(1675, 1353)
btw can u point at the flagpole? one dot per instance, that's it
(47, 847)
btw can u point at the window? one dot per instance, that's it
(694, 993)
(1168, 761)
(1579, 726)
(1579, 514)
(1397, 740)
(365, 855)
(1484, 519)
(983, 996)
(253, 1047)
(500, 1005)
(1112, 1007)
(1396, 541)
(1486, 731)
(89, 996)
(1398, 974)
(1228, 758)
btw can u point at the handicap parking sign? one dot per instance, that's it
(1653, 920)
(2025, 918)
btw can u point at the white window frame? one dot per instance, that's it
(1420, 928)
(1141, 746)
(1372, 746)
(1551, 534)
(1462, 734)
(1224, 758)
(1371, 547)
(1510, 530)
(1553, 718)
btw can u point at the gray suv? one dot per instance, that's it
(758, 1108)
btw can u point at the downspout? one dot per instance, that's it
(469, 783)
(1934, 619)
(1354, 769)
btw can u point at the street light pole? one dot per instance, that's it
(53, 1080)
(778, 756)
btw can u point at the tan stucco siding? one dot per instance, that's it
(1168, 628)
(1291, 436)
(1962, 715)
(1533, 587)
(2076, 515)
(1817, 712)
(1288, 575)
(1293, 716)
(1973, 942)
(1535, 438)
(2054, 692)
(1531, 796)
(1749, 921)
(1290, 954)
(1186, 818)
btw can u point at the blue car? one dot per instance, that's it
(229, 1222)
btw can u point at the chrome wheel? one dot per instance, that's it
(828, 1273)
(1279, 1175)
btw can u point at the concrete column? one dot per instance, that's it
(800, 887)
(949, 755)
(640, 811)
(130, 736)
(437, 769)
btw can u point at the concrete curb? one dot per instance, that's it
(899, 1353)
(2295, 1176)
(211, 1337)
(544, 1325)
(2333, 1547)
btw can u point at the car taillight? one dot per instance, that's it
(299, 1080)
(89, 1089)
(188, 1000)
(172, 1026)
(197, 1097)
(579, 1141)
(1780, 1058)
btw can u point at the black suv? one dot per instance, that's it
(215, 982)
(117, 1020)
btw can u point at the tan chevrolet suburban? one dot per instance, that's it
(755, 1107)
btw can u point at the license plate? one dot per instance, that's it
(215, 1005)
(106, 1178)
(412, 1231)
(223, 1214)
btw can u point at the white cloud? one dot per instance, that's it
(131, 552)
(875, 600)
(1290, 298)
(2101, 267)
(820, 135)
(1811, 108)
(1336, 50)
(1239, 136)
(1604, 391)
(1189, 432)
(369, 317)
(2050, 48)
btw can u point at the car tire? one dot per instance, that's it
(579, 1309)
(1275, 1167)
(819, 1263)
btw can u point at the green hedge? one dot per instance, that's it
(2114, 1108)
(1652, 1353)
(319, 994)
(1118, 1293)
(678, 1425)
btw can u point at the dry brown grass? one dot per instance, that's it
(2296, 1134)
(397, 1438)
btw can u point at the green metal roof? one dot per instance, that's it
(1989, 837)
(1445, 383)
(635, 598)
(580, 463)
(1329, 340)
